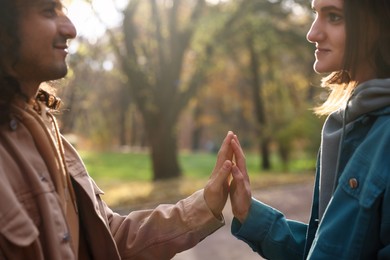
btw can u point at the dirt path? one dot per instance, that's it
(293, 200)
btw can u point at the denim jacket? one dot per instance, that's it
(356, 223)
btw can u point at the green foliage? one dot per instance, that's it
(209, 63)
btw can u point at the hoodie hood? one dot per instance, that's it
(367, 97)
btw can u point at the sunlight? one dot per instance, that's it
(88, 24)
(215, 2)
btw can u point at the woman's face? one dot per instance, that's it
(328, 34)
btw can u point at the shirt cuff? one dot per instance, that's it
(256, 225)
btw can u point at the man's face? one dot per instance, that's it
(43, 32)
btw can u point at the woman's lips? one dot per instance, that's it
(322, 51)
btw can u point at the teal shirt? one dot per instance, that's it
(356, 223)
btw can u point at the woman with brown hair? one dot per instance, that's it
(351, 205)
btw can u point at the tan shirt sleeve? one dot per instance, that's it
(164, 231)
(158, 233)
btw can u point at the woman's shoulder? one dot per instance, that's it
(375, 147)
(381, 125)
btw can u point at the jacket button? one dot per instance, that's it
(43, 179)
(66, 238)
(13, 124)
(353, 183)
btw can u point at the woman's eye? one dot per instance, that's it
(333, 17)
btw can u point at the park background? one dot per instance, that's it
(154, 86)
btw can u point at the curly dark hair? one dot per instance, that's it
(9, 45)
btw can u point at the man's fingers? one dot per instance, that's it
(225, 152)
(224, 172)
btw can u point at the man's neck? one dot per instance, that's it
(30, 89)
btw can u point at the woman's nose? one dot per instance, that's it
(315, 33)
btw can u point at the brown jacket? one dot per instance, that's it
(33, 216)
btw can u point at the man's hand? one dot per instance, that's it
(217, 188)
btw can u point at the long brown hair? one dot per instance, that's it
(367, 33)
(11, 12)
(9, 44)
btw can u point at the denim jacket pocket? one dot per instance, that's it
(363, 182)
(349, 225)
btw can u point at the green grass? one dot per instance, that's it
(137, 166)
(106, 166)
(126, 177)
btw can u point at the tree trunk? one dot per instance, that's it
(258, 103)
(198, 129)
(265, 154)
(123, 106)
(164, 154)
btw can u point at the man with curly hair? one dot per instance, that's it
(50, 208)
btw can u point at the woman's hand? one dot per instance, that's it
(217, 188)
(240, 191)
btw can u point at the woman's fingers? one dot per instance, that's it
(239, 158)
(240, 194)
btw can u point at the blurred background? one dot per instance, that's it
(154, 86)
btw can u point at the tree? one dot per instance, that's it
(153, 59)
(270, 48)
(93, 95)
(168, 53)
